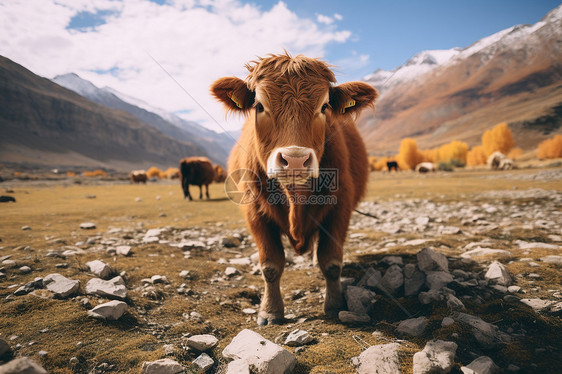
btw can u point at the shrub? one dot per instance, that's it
(154, 172)
(476, 156)
(445, 166)
(95, 173)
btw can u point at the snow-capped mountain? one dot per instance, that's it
(426, 61)
(216, 145)
(513, 76)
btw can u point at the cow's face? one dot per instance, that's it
(292, 103)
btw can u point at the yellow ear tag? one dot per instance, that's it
(235, 100)
(349, 104)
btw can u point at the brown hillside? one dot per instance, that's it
(517, 80)
(45, 124)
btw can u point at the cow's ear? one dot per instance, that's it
(233, 93)
(352, 97)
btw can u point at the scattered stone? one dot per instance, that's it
(203, 363)
(536, 245)
(231, 271)
(113, 288)
(392, 260)
(378, 359)
(484, 252)
(185, 274)
(202, 343)
(437, 279)
(497, 273)
(25, 270)
(238, 367)
(538, 304)
(447, 321)
(438, 356)
(230, 242)
(429, 260)
(162, 366)
(371, 278)
(159, 279)
(552, 259)
(188, 245)
(249, 311)
(112, 310)
(61, 286)
(359, 300)
(353, 318)
(433, 295)
(392, 280)
(87, 226)
(262, 355)
(513, 289)
(99, 268)
(22, 365)
(297, 338)
(487, 334)
(414, 280)
(123, 250)
(5, 350)
(26, 228)
(481, 365)
(412, 327)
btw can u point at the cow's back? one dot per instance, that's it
(197, 171)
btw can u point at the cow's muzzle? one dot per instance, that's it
(292, 165)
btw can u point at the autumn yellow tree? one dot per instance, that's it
(154, 172)
(455, 150)
(497, 139)
(550, 148)
(409, 155)
(476, 156)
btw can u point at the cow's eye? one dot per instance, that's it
(259, 108)
(324, 107)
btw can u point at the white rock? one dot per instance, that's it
(61, 286)
(240, 261)
(163, 366)
(202, 342)
(231, 271)
(25, 270)
(113, 288)
(87, 226)
(538, 304)
(381, 359)
(297, 338)
(112, 310)
(187, 245)
(412, 326)
(552, 259)
(484, 252)
(238, 367)
(447, 321)
(481, 365)
(437, 356)
(525, 245)
(99, 268)
(262, 355)
(22, 365)
(497, 273)
(429, 260)
(123, 250)
(203, 363)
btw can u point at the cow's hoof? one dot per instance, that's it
(270, 319)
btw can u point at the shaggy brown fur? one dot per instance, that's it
(138, 176)
(293, 101)
(196, 171)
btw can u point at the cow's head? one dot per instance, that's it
(292, 103)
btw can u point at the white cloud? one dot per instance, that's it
(324, 19)
(196, 44)
(338, 16)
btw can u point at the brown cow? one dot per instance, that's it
(299, 133)
(196, 171)
(138, 176)
(220, 174)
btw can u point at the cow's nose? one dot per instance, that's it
(288, 161)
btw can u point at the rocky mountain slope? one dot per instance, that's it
(45, 124)
(216, 145)
(513, 76)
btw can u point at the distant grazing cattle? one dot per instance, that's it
(7, 199)
(299, 135)
(196, 171)
(499, 161)
(138, 176)
(392, 165)
(425, 167)
(220, 174)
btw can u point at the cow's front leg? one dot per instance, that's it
(272, 261)
(330, 259)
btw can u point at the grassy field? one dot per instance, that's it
(123, 212)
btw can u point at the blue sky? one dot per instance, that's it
(134, 46)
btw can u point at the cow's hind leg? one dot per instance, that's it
(200, 192)
(330, 259)
(272, 261)
(186, 194)
(207, 191)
